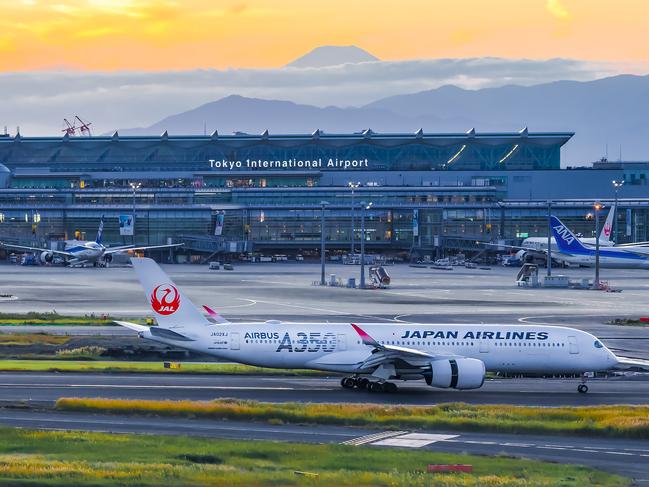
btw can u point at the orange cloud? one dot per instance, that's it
(174, 34)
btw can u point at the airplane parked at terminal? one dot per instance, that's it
(541, 243)
(446, 356)
(572, 251)
(85, 252)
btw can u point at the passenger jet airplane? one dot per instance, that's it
(535, 249)
(446, 356)
(574, 252)
(86, 252)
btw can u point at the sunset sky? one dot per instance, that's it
(110, 35)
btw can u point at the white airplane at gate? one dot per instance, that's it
(446, 356)
(86, 252)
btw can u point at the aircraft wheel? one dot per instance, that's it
(582, 388)
(348, 382)
(390, 387)
(376, 387)
(362, 383)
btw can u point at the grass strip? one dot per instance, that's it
(108, 366)
(611, 421)
(52, 318)
(80, 458)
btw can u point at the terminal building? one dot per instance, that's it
(438, 193)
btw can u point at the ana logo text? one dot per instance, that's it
(564, 233)
(165, 299)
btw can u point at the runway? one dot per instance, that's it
(627, 457)
(46, 388)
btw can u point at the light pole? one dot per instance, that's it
(364, 206)
(549, 264)
(597, 206)
(134, 186)
(353, 186)
(617, 185)
(323, 205)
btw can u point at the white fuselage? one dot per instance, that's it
(631, 257)
(337, 347)
(86, 251)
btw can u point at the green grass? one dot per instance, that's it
(75, 458)
(52, 318)
(109, 366)
(26, 339)
(612, 421)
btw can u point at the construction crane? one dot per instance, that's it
(84, 128)
(72, 128)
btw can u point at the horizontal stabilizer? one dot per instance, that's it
(132, 326)
(156, 331)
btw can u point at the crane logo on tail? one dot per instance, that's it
(165, 299)
(607, 229)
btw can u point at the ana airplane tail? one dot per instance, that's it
(566, 240)
(607, 230)
(100, 230)
(172, 309)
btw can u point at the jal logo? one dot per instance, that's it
(565, 234)
(607, 230)
(165, 299)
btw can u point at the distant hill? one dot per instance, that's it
(609, 111)
(253, 115)
(332, 56)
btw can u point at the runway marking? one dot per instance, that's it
(251, 302)
(313, 308)
(619, 453)
(373, 437)
(140, 386)
(413, 440)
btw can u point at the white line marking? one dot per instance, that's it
(129, 386)
(373, 437)
(413, 440)
(619, 453)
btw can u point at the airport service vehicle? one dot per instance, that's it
(576, 253)
(447, 356)
(85, 252)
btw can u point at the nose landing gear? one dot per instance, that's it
(582, 388)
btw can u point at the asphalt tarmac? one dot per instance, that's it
(626, 457)
(46, 388)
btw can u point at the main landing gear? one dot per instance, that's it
(582, 388)
(363, 383)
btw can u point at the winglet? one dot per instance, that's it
(367, 340)
(217, 317)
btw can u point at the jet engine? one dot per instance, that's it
(459, 373)
(47, 257)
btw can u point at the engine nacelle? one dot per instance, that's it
(460, 373)
(47, 257)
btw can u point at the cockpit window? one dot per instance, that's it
(598, 344)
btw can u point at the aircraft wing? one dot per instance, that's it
(146, 247)
(35, 249)
(516, 247)
(388, 354)
(634, 244)
(632, 364)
